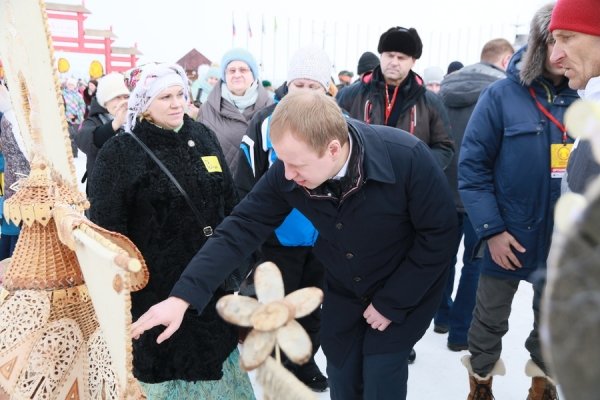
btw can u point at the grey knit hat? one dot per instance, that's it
(535, 56)
(310, 63)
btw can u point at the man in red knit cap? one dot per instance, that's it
(575, 26)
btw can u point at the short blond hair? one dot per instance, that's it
(494, 50)
(312, 117)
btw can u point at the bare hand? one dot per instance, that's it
(375, 319)
(168, 313)
(501, 248)
(192, 111)
(119, 113)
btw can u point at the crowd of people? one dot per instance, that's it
(365, 189)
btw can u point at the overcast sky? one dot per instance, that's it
(167, 30)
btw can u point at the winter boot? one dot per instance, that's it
(542, 386)
(481, 386)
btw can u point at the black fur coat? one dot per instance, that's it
(130, 194)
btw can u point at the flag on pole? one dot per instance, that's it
(263, 24)
(249, 27)
(232, 25)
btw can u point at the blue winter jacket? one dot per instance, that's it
(504, 167)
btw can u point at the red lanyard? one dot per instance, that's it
(549, 115)
(389, 105)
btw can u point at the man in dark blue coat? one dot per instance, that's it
(512, 159)
(386, 221)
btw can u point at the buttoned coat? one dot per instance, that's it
(504, 175)
(388, 242)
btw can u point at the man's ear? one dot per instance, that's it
(334, 148)
(506, 61)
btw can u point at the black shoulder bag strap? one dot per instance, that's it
(207, 230)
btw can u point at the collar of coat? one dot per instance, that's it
(373, 161)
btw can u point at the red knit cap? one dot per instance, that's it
(577, 15)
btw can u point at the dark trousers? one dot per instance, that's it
(457, 314)
(7, 245)
(73, 132)
(299, 269)
(369, 377)
(490, 322)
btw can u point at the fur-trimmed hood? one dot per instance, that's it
(537, 49)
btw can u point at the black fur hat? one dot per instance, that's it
(535, 56)
(402, 40)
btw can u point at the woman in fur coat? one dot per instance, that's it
(132, 195)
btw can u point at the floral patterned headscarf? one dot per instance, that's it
(153, 80)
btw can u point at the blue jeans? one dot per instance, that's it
(457, 314)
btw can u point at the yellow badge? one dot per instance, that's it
(212, 164)
(559, 157)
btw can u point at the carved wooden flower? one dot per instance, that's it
(272, 318)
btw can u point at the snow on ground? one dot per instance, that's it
(438, 373)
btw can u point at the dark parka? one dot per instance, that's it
(459, 92)
(504, 168)
(131, 195)
(388, 241)
(365, 101)
(95, 130)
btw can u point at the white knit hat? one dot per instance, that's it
(109, 87)
(310, 63)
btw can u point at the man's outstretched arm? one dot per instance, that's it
(168, 312)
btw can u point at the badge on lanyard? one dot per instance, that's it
(559, 157)
(559, 152)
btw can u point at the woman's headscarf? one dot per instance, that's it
(154, 79)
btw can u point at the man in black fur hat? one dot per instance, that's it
(394, 95)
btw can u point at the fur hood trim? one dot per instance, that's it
(534, 58)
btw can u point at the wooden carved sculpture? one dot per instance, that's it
(65, 304)
(272, 319)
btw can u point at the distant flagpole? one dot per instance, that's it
(249, 35)
(299, 33)
(347, 44)
(262, 43)
(287, 47)
(274, 46)
(334, 45)
(232, 30)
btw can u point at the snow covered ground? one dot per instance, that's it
(438, 373)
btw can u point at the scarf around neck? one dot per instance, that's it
(241, 102)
